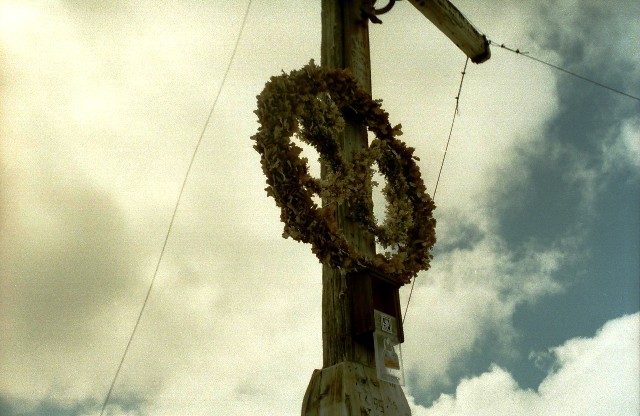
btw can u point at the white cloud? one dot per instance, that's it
(596, 376)
(630, 136)
(622, 147)
(99, 121)
(468, 294)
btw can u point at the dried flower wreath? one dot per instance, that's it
(311, 103)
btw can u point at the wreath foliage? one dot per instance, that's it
(311, 103)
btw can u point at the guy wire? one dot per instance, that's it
(175, 211)
(566, 71)
(453, 120)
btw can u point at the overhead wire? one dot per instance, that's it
(175, 211)
(566, 71)
(556, 67)
(457, 98)
(200, 139)
(444, 156)
(453, 120)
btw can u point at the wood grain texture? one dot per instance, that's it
(345, 44)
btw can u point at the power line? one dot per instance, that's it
(566, 71)
(175, 210)
(453, 120)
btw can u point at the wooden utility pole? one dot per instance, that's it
(348, 383)
(345, 44)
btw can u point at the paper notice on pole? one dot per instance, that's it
(388, 358)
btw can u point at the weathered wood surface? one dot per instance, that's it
(351, 388)
(446, 17)
(345, 44)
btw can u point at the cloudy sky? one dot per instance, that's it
(531, 306)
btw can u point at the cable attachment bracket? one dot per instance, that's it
(371, 13)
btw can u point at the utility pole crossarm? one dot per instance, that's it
(446, 17)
